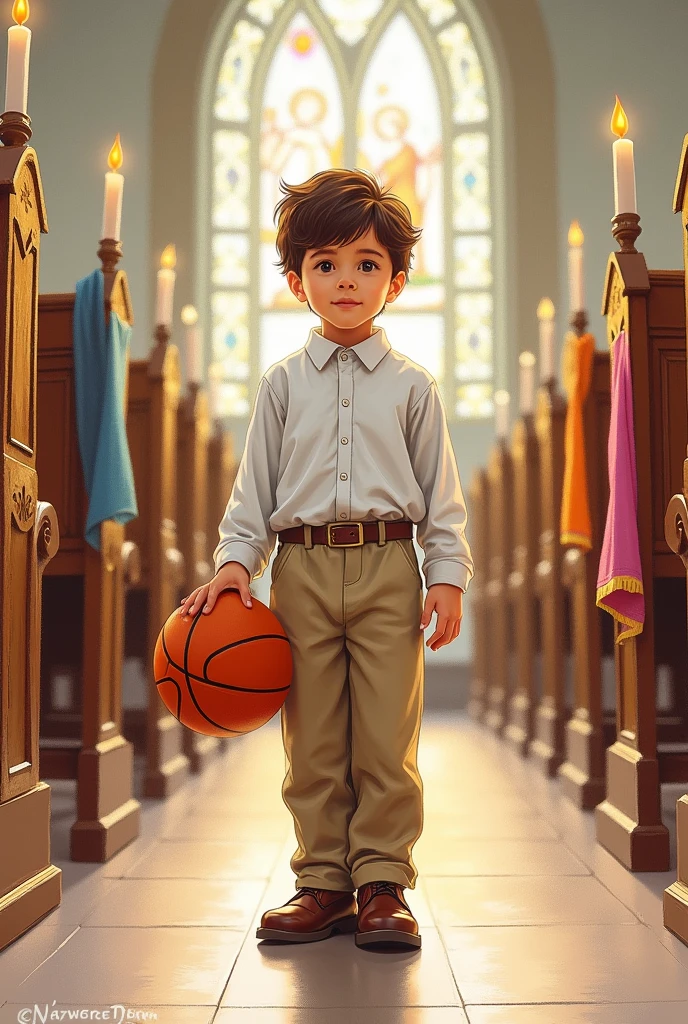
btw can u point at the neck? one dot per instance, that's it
(346, 336)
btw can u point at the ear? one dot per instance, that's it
(396, 286)
(295, 286)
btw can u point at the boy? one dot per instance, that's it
(347, 447)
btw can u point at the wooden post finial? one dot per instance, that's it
(162, 334)
(15, 128)
(626, 228)
(109, 254)
(579, 322)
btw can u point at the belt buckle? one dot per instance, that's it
(344, 544)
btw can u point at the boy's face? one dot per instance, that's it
(347, 285)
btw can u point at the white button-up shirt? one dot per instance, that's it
(340, 434)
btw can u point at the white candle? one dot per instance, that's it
(576, 294)
(501, 403)
(165, 292)
(624, 167)
(18, 46)
(545, 315)
(114, 186)
(526, 362)
(194, 345)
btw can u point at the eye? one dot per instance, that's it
(367, 266)
(326, 266)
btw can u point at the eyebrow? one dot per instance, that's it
(332, 252)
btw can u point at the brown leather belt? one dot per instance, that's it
(349, 534)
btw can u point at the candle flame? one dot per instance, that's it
(619, 119)
(526, 359)
(545, 310)
(115, 155)
(189, 315)
(501, 398)
(20, 11)
(169, 257)
(576, 236)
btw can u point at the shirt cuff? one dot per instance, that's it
(238, 551)
(448, 571)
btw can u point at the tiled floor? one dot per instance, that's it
(525, 920)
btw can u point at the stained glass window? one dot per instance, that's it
(313, 106)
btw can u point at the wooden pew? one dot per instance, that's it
(193, 432)
(676, 535)
(152, 433)
(498, 605)
(30, 885)
(83, 602)
(521, 583)
(550, 713)
(589, 731)
(478, 494)
(650, 307)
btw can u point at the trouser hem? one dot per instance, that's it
(381, 872)
(320, 882)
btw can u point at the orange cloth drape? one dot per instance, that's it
(576, 528)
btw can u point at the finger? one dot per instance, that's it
(209, 599)
(199, 598)
(440, 630)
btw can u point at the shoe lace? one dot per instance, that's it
(386, 887)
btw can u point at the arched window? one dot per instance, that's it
(398, 87)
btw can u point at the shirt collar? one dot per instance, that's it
(370, 351)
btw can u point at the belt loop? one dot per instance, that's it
(381, 532)
(307, 535)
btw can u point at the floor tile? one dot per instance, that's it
(165, 902)
(568, 964)
(481, 826)
(165, 1014)
(461, 902)
(453, 855)
(228, 828)
(28, 952)
(334, 973)
(207, 860)
(606, 1013)
(383, 1015)
(137, 966)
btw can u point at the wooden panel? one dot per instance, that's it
(21, 338)
(669, 438)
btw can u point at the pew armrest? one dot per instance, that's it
(46, 534)
(676, 527)
(131, 564)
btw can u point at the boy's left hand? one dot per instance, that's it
(446, 600)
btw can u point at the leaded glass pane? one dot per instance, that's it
(437, 11)
(263, 10)
(470, 97)
(230, 260)
(471, 182)
(231, 179)
(301, 133)
(420, 337)
(472, 261)
(350, 17)
(232, 399)
(474, 401)
(230, 335)
(474, 336)
(232, 94)
(400, 139)
(283, 333)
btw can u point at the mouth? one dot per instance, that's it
(347, 304)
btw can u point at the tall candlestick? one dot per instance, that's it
(114, 186)
(165, 292)
(194, 346)
(18, 46)
(624, 167)
(545, 315)
(501, 404)
(576, 294)
(526, 362)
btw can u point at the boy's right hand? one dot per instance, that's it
(230, 576)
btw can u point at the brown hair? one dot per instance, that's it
(337, 206)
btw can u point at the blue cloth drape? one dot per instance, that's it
(100, 367)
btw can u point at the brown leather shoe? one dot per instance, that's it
(384, 917)
(310, 915)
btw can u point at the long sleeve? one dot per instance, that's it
(245, 533)
(441, 531)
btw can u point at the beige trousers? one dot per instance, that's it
(351, 722)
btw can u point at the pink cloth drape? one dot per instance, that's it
(619, 580)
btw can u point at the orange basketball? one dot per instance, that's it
(225, 673)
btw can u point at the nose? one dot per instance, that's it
(344, 284)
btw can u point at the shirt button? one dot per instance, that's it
(342, 515)
(345, 440)
(344, 357)
(345, 401)
(343, 476)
